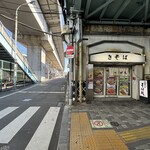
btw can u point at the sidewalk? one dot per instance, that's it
(106, 125)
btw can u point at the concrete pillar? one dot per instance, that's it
(36, 56)
(137, 74)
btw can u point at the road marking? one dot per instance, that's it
(26, 100)
(9, 131)
(100, 124)
(43, 134)
(42, 92)
(6, 111)
(16, 92)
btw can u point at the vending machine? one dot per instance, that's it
(145, 91)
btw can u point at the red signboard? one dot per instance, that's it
(70, 51)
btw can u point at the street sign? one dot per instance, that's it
(100, 124)
(70, 51)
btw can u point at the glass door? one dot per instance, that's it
(111, 86)
(124, 81)
(112, 81)
(118, 81)
(124, 86)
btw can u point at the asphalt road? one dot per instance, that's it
(30, 118)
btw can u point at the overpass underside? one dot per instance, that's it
(111, 36)
(39, 30)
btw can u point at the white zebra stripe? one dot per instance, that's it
(9, 131)
(7, 111)
(41, 92)
(42, 136)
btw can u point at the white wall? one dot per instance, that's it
(136, 69)
(137, 73)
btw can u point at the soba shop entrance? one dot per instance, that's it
(112, 81)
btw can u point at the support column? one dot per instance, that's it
(80, 71)
(137, 74)
(36, 56)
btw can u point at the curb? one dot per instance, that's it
(64, 137)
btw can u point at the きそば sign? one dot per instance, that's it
(118, 57)
(70, 51)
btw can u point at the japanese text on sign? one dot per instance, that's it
(117, 57)
(143, 88)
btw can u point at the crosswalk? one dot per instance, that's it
(43, 134)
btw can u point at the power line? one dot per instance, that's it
(30, 27)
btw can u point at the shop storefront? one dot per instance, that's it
(113, 74)
(112, 81)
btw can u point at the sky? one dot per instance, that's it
(22, 49)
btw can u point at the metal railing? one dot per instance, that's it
(12, 45)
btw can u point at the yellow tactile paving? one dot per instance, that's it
(82, 137)
(136, 134)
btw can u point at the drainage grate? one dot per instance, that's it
(5, 147)
(115, 124)
(60, 104)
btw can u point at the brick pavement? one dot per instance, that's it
(124, 115)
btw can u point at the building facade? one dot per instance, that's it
(114, 60)
(112, 46)
(7, 76)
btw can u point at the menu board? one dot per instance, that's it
(123, 86)
(143, 88)
(90, 76)
(111, 86)
(98, 80)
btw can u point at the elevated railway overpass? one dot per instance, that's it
(111, 39)
(39, 28)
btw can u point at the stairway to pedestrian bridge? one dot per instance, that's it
(7, 53)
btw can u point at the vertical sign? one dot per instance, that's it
(70, 51)
(143, 88)
(0, 79)
(90, 76)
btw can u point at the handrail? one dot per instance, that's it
(12, 44)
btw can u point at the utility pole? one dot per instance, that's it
(71, 59)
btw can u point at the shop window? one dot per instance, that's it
(98, 81)
(6, 65)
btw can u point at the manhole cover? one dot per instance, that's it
(115, 124)
(63, 88)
